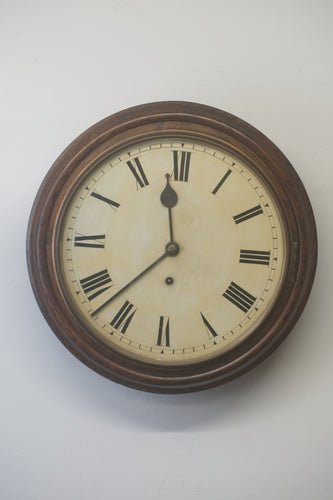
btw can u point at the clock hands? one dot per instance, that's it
(169, 199)
(171, 249)
(157, 261)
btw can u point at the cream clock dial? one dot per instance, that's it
(172, 247)
(172, 250)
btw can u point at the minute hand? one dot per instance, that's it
(157, 261)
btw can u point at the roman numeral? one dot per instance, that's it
(222, 181)
(210, 329)
(248, 214)
(254, 257)
(106, 200)
(96, 283)
(87, 241)
(239, 297)
(123, 317)
(181, 170)
(138, 172)
(163, 337)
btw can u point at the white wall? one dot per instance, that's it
(67, 433)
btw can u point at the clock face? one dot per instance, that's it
(171, 251)
(171, 247)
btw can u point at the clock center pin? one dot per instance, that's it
(172, 248)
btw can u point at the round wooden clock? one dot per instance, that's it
(172, 247)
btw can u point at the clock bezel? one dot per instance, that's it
(195, 122)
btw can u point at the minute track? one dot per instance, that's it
(216, 240)
(172, 202)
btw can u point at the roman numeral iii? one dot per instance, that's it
(248, 214)
(123, 317)
(137, 170)
(181, 169)
(255, 257)
(94, 284)
(163, 337)
(239, 297)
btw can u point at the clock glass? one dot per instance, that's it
(171, 250)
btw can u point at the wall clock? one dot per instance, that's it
(171, 247)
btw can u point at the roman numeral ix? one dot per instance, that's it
(89, 241)
(94, 284)
(137, 171)
(248, 214)
(239, 297)
(123, 317)
(255, 257)
(181, 170)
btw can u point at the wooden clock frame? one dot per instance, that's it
(183, 120)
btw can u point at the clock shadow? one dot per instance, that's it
(199, 411)
(228, 405)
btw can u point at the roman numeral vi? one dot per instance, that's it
(163, 337)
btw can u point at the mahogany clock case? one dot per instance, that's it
(188, 121)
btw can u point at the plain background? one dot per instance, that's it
(67, 433)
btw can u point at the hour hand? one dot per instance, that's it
(169, 196)
(169, 199)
